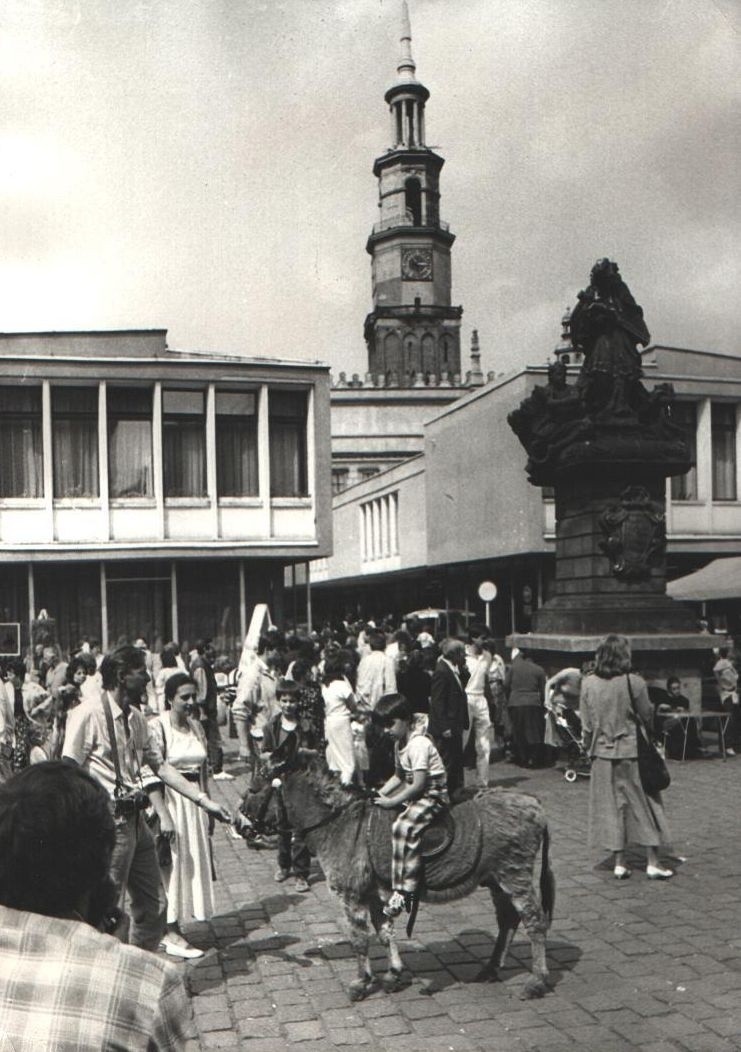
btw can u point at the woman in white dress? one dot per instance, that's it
(340, 709)
(188, 880)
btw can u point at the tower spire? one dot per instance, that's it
(406, 68)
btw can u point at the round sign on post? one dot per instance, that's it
(488, 592)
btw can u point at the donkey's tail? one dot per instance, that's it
(547, 880)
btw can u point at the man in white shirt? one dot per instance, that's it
(478, 662)
(115, 762)
(376, 671)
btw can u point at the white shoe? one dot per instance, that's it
(658, 873)
(730, 752)
(223, 776)
(186, 952)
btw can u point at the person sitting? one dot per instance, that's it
(284, 730)
(63, 982)
(673, 728)
(420, 785)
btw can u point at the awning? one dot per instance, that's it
(720, 579)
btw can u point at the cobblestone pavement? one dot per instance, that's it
(634, 964)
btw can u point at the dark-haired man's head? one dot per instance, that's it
(123, 671)
(56, 840)
(376, 640)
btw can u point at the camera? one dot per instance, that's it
(129, 803)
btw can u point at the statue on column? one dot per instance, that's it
(606, 326)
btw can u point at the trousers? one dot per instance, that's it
(479, 724)
(406, 842)
(134, 869)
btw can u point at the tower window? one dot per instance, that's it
(413, 201)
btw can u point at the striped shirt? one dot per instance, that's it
(65, 986)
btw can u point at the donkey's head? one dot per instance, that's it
(295, 788)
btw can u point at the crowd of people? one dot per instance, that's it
(392, 711)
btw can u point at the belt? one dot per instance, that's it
(191, 776)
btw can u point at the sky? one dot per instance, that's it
(205, 166)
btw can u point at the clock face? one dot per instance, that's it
(416, 264)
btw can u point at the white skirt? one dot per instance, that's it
(188, 883)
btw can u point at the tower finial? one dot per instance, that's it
(406, 68)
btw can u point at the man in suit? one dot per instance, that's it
(449, 710)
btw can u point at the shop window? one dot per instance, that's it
(130, 442)
(184, 443)
(21, 455)
(74, 412)
(684, 487)
(287, 435)
(236, 444)
(723, 426)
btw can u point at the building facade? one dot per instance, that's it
(150, 492)
(429, 531)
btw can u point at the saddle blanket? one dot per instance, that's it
(444, 866)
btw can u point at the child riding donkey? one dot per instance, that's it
(419, 783)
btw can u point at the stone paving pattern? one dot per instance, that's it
(634, 964)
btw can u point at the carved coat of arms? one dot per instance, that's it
(634, 532)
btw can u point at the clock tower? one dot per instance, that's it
(413, 332)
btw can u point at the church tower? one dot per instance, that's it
(413, 332)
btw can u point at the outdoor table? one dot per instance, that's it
(682, 714)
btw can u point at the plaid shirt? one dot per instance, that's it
(66, 987)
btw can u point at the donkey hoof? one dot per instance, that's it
(487, 975)
(534, 988)
(392, 981)
(359, 989)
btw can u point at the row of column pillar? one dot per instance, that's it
(407, 122)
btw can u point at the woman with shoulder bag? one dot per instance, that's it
(614, 709)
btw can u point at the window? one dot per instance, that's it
(184, 443)
(684, 487)
(339, 480)
(130, 442)
(723, 427)
(413, 201)
(21, 452)
(368, 473)
(379, 527)
(236, 444)
(74, 413)
(287, 429)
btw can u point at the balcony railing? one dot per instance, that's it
(405, 221)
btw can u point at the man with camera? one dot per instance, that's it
(109, 737)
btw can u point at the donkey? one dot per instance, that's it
(336, 822)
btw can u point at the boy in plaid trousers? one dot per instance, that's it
(419, 783)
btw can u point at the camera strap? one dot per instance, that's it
(113, 742)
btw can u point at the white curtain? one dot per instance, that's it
(130, 458)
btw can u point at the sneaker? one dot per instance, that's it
(395, 905)
(730, 752)
(622, 872)
(281, 875)
(223, 776)
(301, 885)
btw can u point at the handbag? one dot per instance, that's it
(652, 770)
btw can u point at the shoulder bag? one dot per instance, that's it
(652, 770)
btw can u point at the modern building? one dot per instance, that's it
(428, 531)
(156, 493)
(412, 333)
